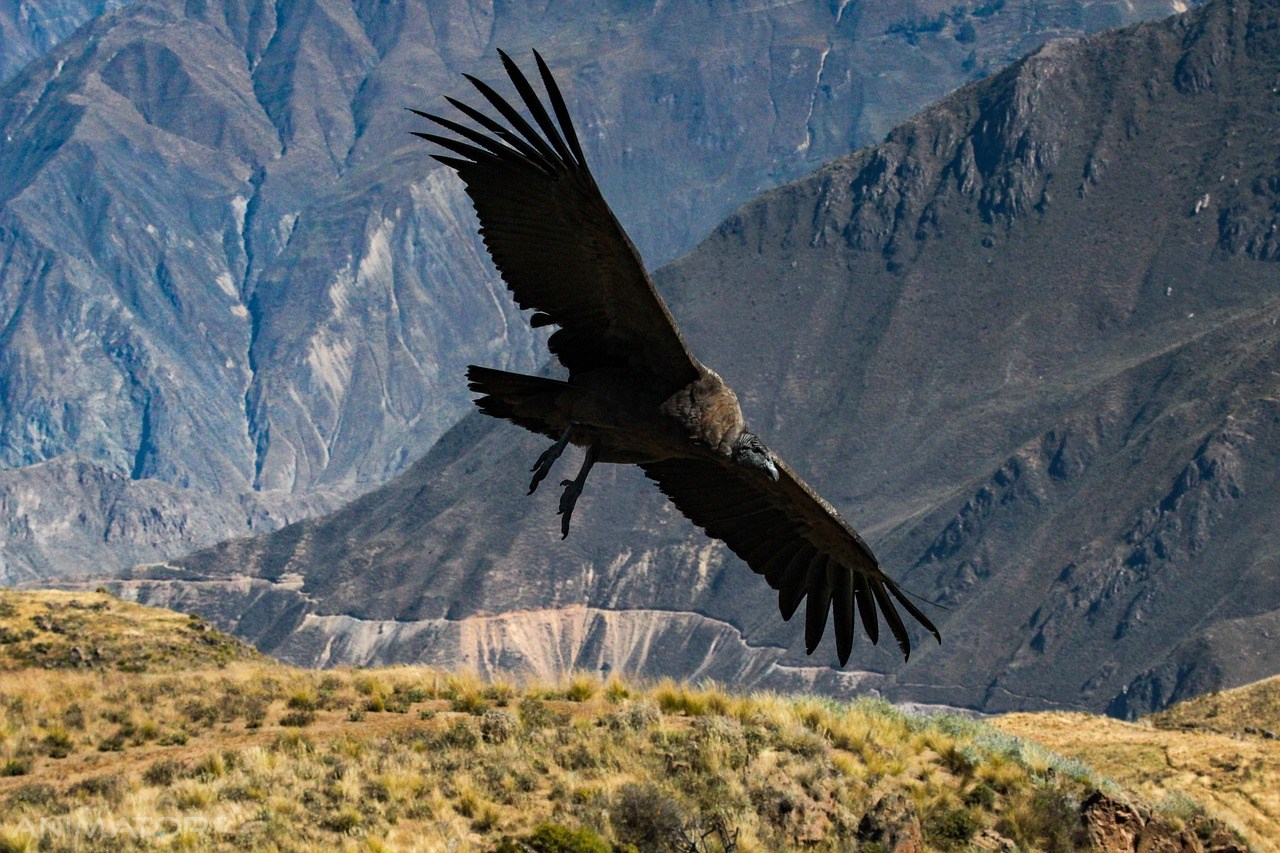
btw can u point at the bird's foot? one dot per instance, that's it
(573, 490)
(568, 500)
(542, 467)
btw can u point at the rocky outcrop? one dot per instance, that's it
(56, 518)
(893, 824)
(1114, 825)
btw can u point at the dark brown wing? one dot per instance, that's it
(801, 545)
(557, 244)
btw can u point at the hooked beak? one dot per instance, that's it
(773, 470)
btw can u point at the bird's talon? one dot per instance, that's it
(542, 467)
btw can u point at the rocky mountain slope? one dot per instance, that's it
(226, 268)
(1028, 344)
(29, 28)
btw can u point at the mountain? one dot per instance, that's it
(226, 268)
(29, 28)
(1028, 345)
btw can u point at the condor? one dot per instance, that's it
(635, 393)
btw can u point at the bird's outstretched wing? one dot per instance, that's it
(786, 532)
(555, 241)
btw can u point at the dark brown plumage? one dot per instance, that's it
(635, 393)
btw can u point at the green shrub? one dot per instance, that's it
(468, 703)
(556, 838)
(951, 827)
(15, 767)
(981, 796)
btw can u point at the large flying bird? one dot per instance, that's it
(635, 394)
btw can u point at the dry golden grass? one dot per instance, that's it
(1236, 778)
(1250, 710)
(51, 629)
(251, 754)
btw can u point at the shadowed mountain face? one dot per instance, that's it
(225, 267)
(1028, 344)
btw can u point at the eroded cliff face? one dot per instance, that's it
(1015, 344)
(226, 267)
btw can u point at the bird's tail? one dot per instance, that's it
(528, 401)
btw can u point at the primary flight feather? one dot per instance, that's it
(635, 394)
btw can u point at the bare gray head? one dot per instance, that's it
(750, 451)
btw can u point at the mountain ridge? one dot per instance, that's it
(1078, 526)
(227, 268)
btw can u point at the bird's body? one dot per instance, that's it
(635, 394)
(612, 410)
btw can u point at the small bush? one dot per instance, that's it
(468, 703)
(294, 743)
(345, 820)
(616, 691)
(254, 709)
(303, 700)
(641, 715)
(556, 838)
(298, 719)
(537, 714)
(951, 827)
(163, 772)
(15, 767)
(37, 795)
(209, 768)
(981, 796)
(177, 737)
(73, 717)
(582, 689)
(56, 743)
(462, 735)
(646, 816)
(107, 787)
(112, 743)
(498, 726)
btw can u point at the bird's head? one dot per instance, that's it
(749, 450)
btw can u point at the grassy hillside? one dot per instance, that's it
(51, 629)
(1220, 749)
(1250, 710)
(234, 753)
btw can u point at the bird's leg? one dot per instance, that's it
(542, 467)
(572, 489)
